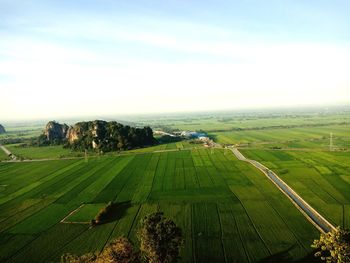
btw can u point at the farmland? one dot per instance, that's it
(32, 152)
(229, 211)
(264, 129)
(321, 178)
(301, 137)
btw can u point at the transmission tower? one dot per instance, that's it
(331, 141)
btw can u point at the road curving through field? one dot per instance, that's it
(307, 210)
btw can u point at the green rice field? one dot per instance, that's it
(302, 137)
(228, 210)
(41, 152)
(321, 178)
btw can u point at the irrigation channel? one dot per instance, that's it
(307, 210)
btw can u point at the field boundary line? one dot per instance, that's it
(154, 176)
(240, 235)
(26, 217)
(109, 237)
(71, 213)
(133, 221)
(221, 233)
(67, 243)
(252, 223)
(254, 226)
(193, 236)
(307, 210)
(195, 171)
(287, 225)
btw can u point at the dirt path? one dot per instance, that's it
(8, 153)
(308, 211)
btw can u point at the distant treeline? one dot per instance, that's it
(281, 127)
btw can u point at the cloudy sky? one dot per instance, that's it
(72, 58)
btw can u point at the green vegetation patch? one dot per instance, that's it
(218, 201)
(84, 214)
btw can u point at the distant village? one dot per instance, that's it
(189, 135)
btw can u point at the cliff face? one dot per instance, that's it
(2, 129)
(55, 131)
(101, 135)
(95, 130)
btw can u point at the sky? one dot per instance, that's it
(87, 58)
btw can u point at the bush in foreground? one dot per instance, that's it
(160, 238)
(87, 258)
(119, 251)
(334, 246)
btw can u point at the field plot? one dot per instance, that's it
(321, 178)
(301, 137)
(3, 155)
(41, 152)
(166, 146)
(229, 211)
(231, 121)
(83, 214)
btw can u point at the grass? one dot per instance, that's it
(3, 155)
(41, 152)
(301, 137)
(57, 151)
(85, 213)
(227, 209)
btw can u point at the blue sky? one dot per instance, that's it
(169, 56)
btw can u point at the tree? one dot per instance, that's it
(334, 246)
(160, 238)
(106, 213)
(119, 251)
(86, 258)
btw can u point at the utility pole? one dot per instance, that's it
(331, 142)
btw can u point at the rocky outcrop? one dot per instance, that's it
(100, 135)
(92, 129)
(55, 131)
(2, 129)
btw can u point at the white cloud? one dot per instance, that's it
(49, 79)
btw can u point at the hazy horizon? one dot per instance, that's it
(60, 59)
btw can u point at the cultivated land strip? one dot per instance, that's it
(14, 158)
(204, 190)
(309, 212)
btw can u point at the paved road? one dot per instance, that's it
(309, 212)
(8, 153)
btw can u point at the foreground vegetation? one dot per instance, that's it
(160, 242)
(333, 247)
